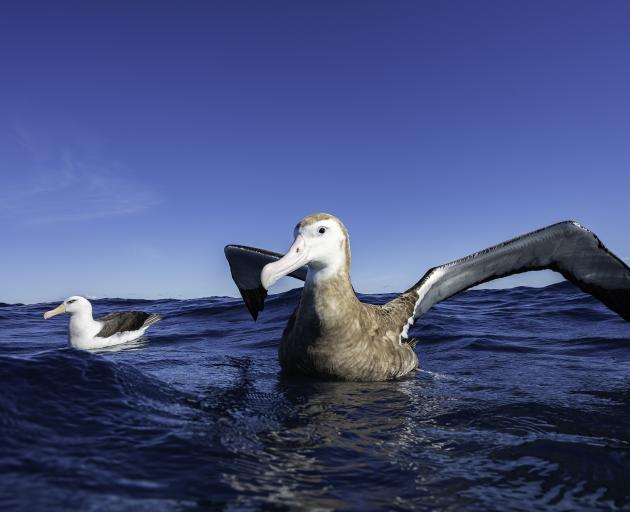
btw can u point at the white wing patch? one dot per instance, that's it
(421, 291)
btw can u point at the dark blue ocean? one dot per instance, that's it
(522, 403)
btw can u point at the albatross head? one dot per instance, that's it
(72, 305)
(321, 242)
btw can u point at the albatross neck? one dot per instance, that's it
(83, 327)
(328, 296)
(82, 318)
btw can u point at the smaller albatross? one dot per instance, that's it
(86, 333)
(332, 334)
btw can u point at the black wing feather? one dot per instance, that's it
(122, 322)
(566, 247)
(246, 263)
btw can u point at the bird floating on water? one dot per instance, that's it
(332, 334)
(85, 332)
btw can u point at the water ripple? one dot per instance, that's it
(522, 403)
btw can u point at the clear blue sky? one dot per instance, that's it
(138, 138)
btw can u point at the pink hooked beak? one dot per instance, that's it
(296, 256)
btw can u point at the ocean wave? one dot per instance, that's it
(522, 400)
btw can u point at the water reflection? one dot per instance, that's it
(305, 440)
(199, 417)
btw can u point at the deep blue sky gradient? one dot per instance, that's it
(138, 138)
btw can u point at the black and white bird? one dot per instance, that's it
(332, 334)
(85, 332)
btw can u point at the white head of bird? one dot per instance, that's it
(74, 305)
(321, 242)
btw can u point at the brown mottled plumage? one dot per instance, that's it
(332, 334)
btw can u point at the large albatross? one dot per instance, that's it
(332, 334)
(86, 333)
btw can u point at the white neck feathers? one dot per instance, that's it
(83, 326)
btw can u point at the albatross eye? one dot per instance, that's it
(322, 230)
(71, 301)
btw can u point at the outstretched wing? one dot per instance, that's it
(246, 263)
(566, 247)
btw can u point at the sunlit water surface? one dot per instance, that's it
(522, 403)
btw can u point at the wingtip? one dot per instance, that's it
(577, 224)
(254, 299)
(152, 319)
